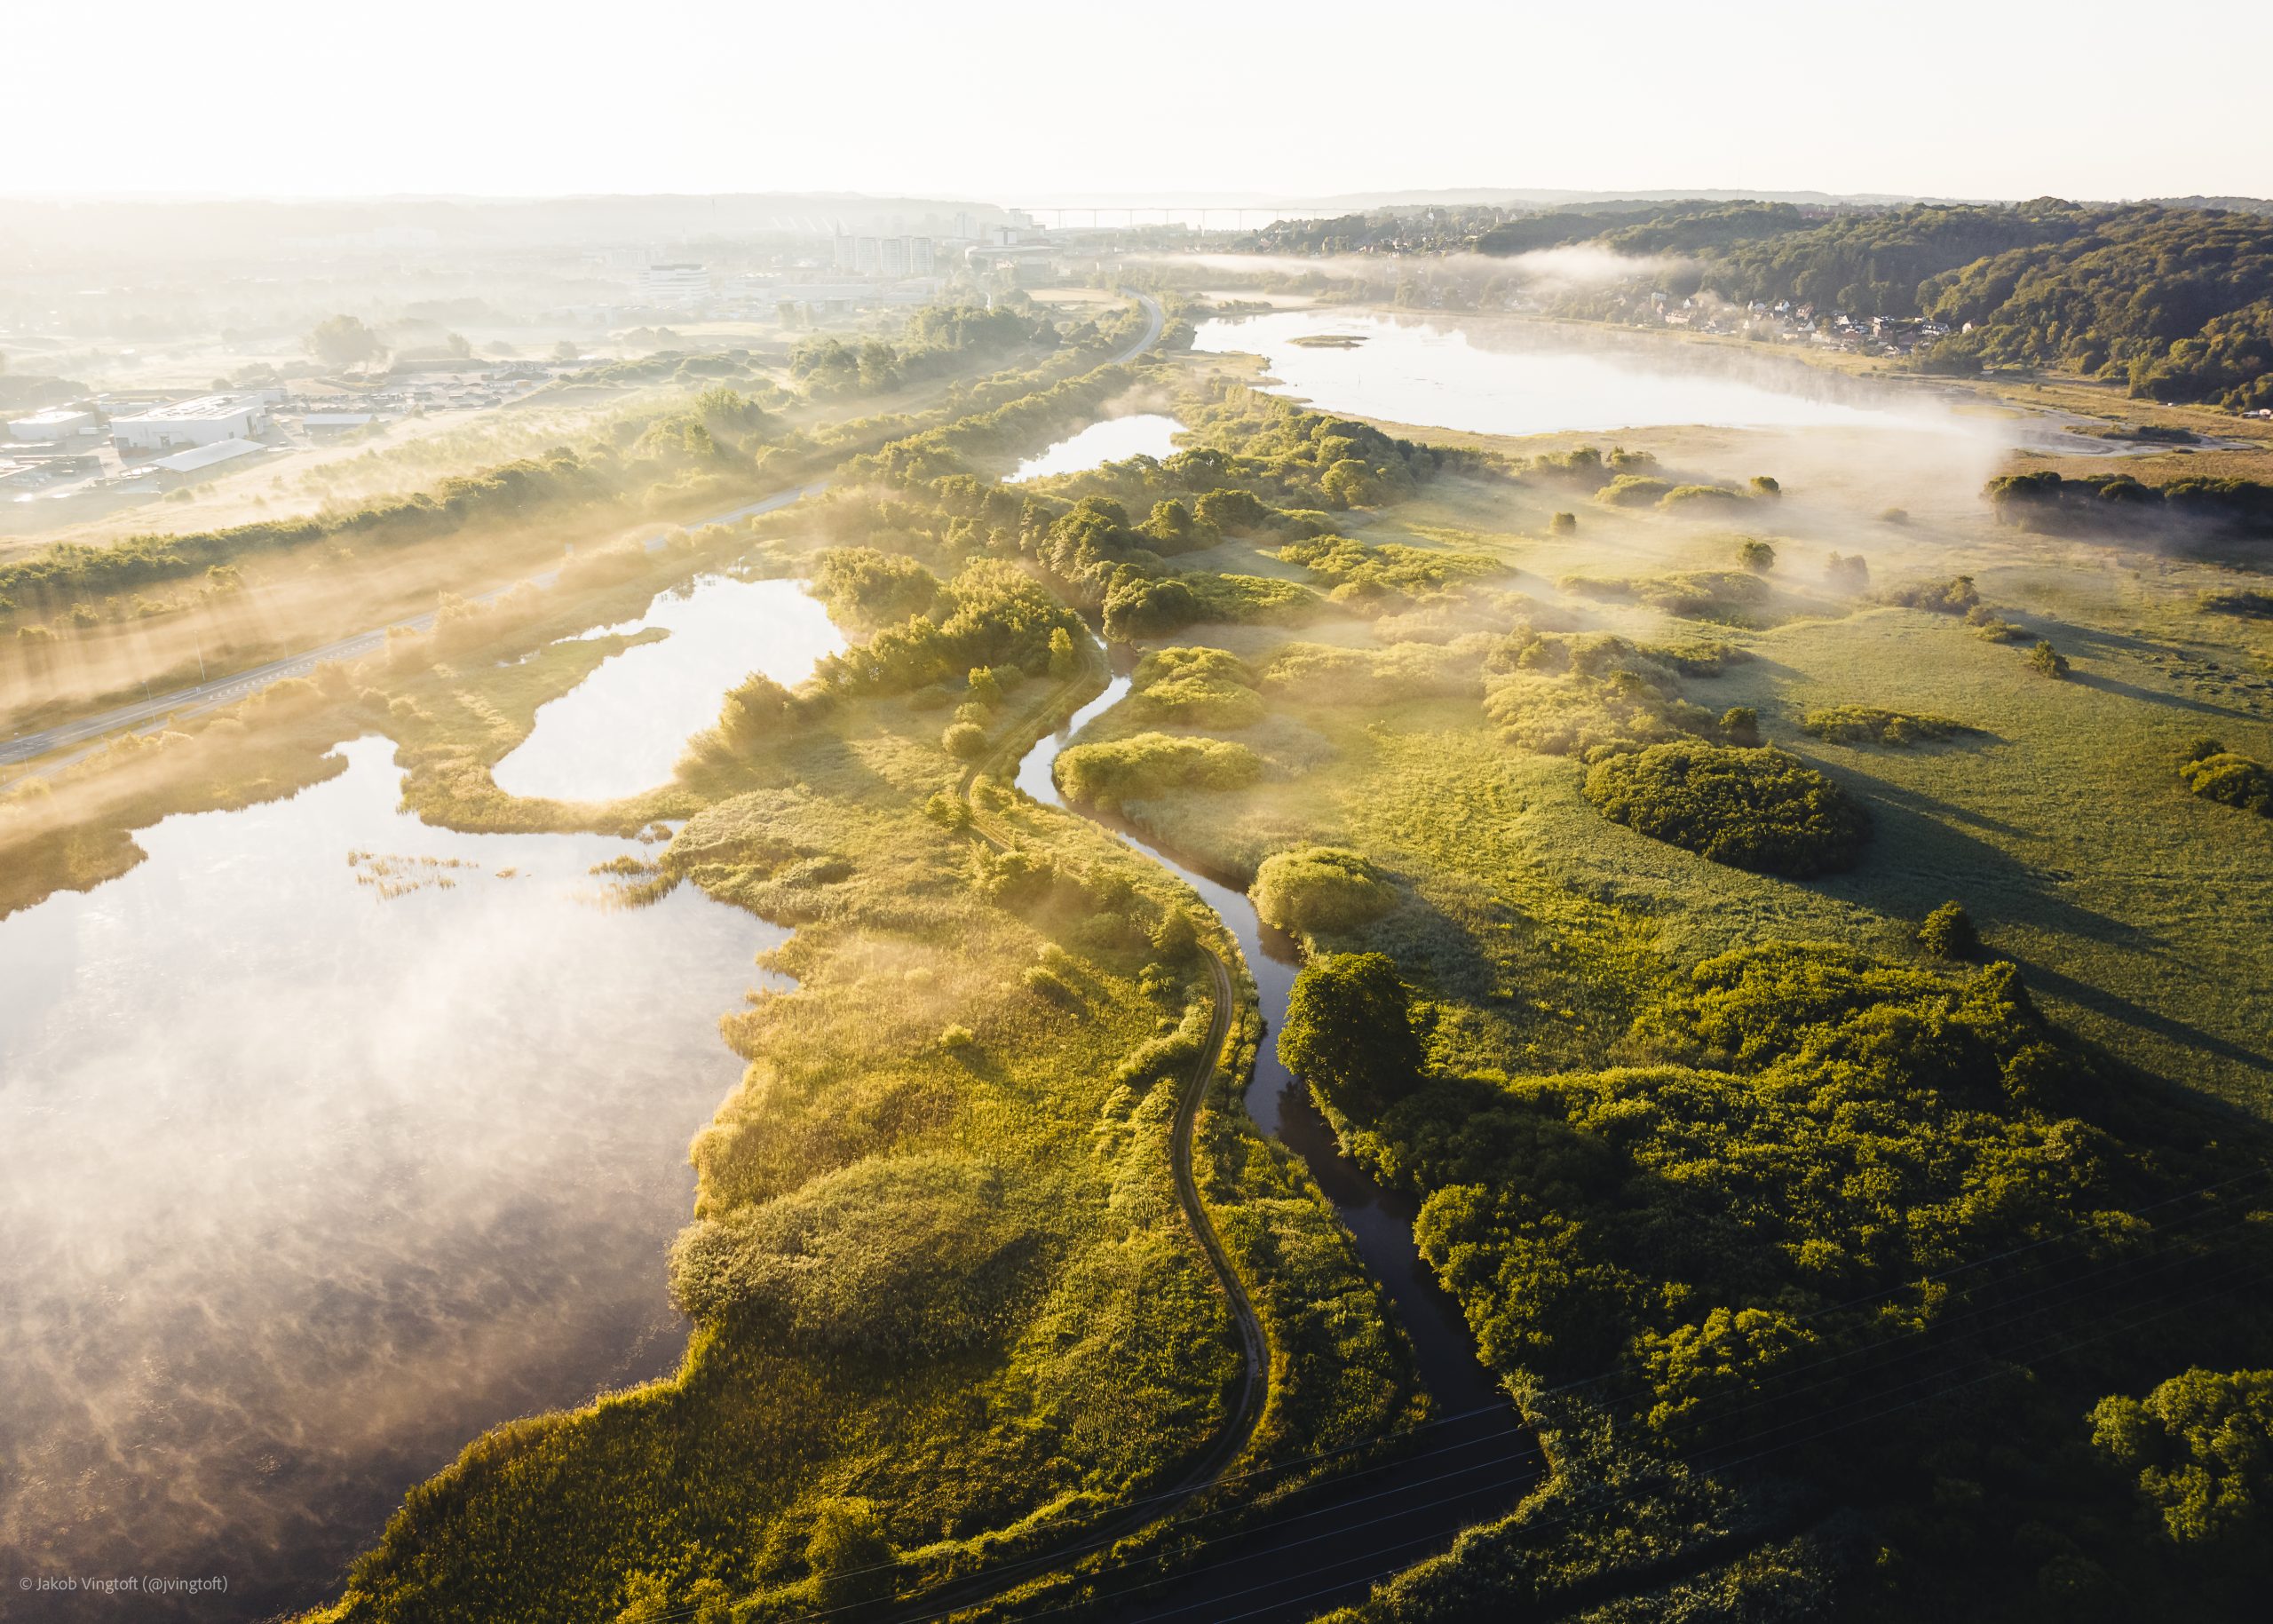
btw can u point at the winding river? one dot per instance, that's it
(1477, 1459)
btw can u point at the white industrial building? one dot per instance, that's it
(200, 457)
(680, 281)
(56, 422)
(205, 420)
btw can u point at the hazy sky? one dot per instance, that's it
(1012, 102)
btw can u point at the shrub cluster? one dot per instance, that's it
(1321, 890)
(2216, 773)
(1196, 687)
(1869, 724)
(1762, 809)
(1585, 693)
(1110, 775)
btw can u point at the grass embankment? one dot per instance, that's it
(85, 627)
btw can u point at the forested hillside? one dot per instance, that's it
(2175, 302)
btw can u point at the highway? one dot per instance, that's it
(148, 715)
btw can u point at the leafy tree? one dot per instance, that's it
(1062, 663)
(2201, 1448)
(1948, 933)
(753, 712)
(2047, 660)
(1756, 556)
(343, 341)
(1349, 1033)
(1740, 725)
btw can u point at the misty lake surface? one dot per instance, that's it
(319, 1167)
(1499, 377)
(1143, 433)
(621, 730)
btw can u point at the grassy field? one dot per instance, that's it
(945, 1302)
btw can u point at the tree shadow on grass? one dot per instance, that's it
(2175, 702)
(1916, 852)
(1924, 805)
(2041, 977)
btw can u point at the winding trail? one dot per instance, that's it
(1209, 1466)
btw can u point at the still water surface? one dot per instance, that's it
(1144, 433)
(309, 1182)
(621, 730)
(1511, 377)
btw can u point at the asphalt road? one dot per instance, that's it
(148, 715)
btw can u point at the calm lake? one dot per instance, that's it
(620, 731)
(1502, 376)
(334, 1139)
(1145, 434)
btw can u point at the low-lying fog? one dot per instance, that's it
(320, 1166)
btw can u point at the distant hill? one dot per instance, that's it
(1519, 197)
(2175, 301)
(115, 231)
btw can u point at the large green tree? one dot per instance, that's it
(1349, 1033)
(343, 341)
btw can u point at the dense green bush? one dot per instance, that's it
(1634, 490)
(2085, 504)
(1762, 809)
(1956, 596)
(898, 1258)
(863, 587)
(992, 614)
(2046, 661)
(1869, 724)
(1112, 774)
(1693, 497)
(1321, 890)
(1140, 607)
(1587, 693)
(1390, 566)
(2216, 773)
(1196, 687)
(2200, 1450)
(1948, 933)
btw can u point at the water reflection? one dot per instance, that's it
(1144, 433)
(621, 729)
(319, 1167)
(1512, 377)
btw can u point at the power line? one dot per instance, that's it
(1010, 1571)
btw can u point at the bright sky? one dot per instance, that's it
(1012, 102)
